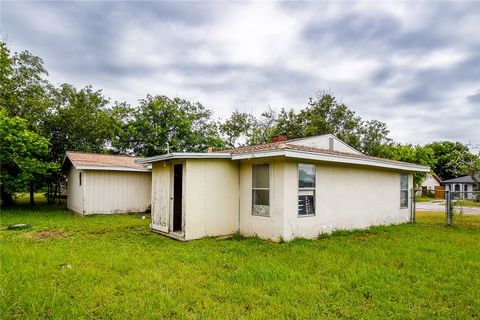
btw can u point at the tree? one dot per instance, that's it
(25, 91)
(22, 155)
(325, 114)
(237, 128)
(121, 115)
(374, 138)
(79, 121)
(413, 154)
(290, 124)
(453, 159)
(161, 124)
(263, 128)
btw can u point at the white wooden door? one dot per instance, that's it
(161, 198)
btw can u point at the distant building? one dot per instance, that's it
(465, 184)
(106, 184)
(431, 181)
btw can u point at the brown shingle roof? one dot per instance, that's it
(103, 160)
(287, 145)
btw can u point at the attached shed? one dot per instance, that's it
(106, 184)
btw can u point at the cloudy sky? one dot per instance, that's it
(413, 65)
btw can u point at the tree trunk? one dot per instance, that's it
(6, 198)
(32, 195)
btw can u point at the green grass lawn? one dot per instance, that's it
(425, 199)
(69, 267)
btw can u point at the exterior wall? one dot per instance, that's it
(75, 192)
(161, 196)
(108, 192)
(211, 198)
(265, 227)
(346, 197)
(323, 142)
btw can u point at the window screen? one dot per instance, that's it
(403, 191)
(306, 189)
(261, 189)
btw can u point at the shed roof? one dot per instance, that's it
(95, 161)
(282, 145)
(464, 179)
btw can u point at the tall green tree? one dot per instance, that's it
(23, 155)
(25, 90)
(413, 154)
(374, 140)
(80, 120)
(237, 128)
(290, 124)
(325, 114)
(453, 159)
(161, 124)
(263, 128)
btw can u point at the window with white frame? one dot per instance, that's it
(306, 189)
(403, 190)
(261, 190)
(80, 178)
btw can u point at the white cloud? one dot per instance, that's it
(403, 63)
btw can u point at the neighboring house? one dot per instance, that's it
(278, 190)
(429, 184)
(431, 181)
(465, 184)
(106, 184)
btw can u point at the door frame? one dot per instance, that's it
(172, 194)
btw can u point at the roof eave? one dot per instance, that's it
(111, 168)
(331, 158)
(185, 155)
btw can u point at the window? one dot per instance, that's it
(403, 190)
(80, 178)
(261, 190)
(306, 189)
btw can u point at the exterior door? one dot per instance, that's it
(161, 198)
(177, 197)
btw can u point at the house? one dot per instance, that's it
(278, 190)
(429, 184)
(431, 181)
(106, 184)
(464, 185)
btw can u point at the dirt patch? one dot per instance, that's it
(45, 234)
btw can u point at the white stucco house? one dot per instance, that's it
(106, 184)
(279, 190)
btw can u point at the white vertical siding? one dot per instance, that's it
(75, 192)
(108, 192)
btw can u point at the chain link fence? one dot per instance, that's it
(446, 207)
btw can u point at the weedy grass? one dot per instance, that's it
(113, 267)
